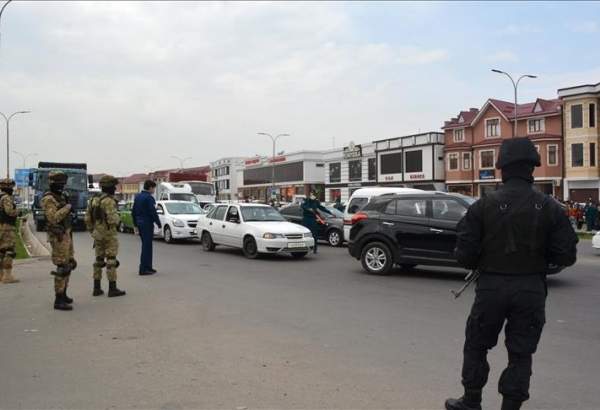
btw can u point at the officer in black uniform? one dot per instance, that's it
(511, 236)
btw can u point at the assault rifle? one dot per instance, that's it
(469, 279)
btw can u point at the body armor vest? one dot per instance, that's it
(61, 227)
(4, 217)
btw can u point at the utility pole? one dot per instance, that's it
(7, 119)
(515, 86)
(274, 140)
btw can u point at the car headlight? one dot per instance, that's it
(81, 212)
(178, 223)
(273, 235)
(308, 235)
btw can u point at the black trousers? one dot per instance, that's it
(147, 236)
(519, 302)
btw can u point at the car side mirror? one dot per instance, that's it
(160, 212)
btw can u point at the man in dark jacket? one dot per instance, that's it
(512, 236)
(310, 212)
(144, 217)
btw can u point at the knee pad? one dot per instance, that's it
(99, 262)
(62, 271)
(112, 263)
(73, 264)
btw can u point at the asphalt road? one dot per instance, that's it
(214, 330)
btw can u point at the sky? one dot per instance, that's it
(124, 86)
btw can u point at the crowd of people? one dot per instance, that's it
(583, 214)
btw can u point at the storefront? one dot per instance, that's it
(292, 175)
(348, 169)
(415, 161)
(464, 189)
(581, 190)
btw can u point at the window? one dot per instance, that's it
(283, 173)
(233, 215)
(413, 161)
(536, 125)
(492, 128)
(486, 159)
(448, 209)
(553, 155)
(219, 213)
(453, 161)
(334, 194)
(592, 154)
(592, 112)
(576, 116)
(459, 135)
(391, 163)
(355, 170)
(357, 204)
(335, 172)
(576, 155)
(466, 156)
(407, 207)
(372, 169)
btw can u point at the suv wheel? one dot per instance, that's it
(168, 235)
(207, 243)
(376, 258)
(334, 237)
(250, 248)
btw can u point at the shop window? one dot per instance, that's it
(372, 162)
(334, 194)
(391, 163)
(414, 161)
(576, 155)
(355, 170)
(576, 116)
(335, 172)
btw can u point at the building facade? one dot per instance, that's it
(415, 161)
(294, 174)
(473, 139)
(582, 172)
(348, 169)
(131, 185)
(224, 175)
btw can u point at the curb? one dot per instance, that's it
(34, 246)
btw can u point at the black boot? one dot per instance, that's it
(97, 288)
(60, 303)
(508, 404)
(113, 291)
(470, 401)
(68, 300)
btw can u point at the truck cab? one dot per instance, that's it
(175, 191)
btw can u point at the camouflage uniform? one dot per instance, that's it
(58, 217)
(102, 219)
(8, 234)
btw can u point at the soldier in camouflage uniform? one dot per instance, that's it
(102, 219)
(57, 209)
(8, 222)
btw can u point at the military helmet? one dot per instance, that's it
(57, 177)
(518, 150)
(108, 181)
(6, 183)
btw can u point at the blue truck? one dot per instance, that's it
(76, 188)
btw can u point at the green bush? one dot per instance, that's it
(21, 251)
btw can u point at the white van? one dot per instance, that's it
(175, 191)
(361, 197)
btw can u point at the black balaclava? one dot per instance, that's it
(521, 169)
(9, 191)
(57, 188)
(110, 190)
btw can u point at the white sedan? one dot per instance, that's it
(178, 219)
(255, 229)
(596, 241)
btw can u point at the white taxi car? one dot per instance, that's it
(255, 229)
(178, 219)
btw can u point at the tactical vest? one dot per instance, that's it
(515, 233)
(97, 213)
(4, 217)
(61, 227)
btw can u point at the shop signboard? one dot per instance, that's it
(353, 151)
(487, 174)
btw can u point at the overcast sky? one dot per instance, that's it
(123, 86)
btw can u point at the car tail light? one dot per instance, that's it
(357, 217)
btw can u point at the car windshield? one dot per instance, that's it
(77, 181)
(183, 197)
(261, 214)
(202, 188)
(335, 212)
(187, 208)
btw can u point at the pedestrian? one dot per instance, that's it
(8, 226)
(512, 237)
(310, 215)
(57, 209)
(144, 217)
(338, 204)
(102, 219)
(591, 214)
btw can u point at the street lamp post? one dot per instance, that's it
(25, 156)
(515, 86)
(274, 140)
(181, 161)
(7, 119)
(2, 11)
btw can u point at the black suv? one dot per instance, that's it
(332, 228)
(407, 230)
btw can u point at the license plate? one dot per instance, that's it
(296, 245)
(194, 232)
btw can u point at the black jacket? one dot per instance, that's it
(515, 231)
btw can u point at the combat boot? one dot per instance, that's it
(508, 404)
(470, 401)
(68, 300)
(60, 303)
(97, 288)
(113, 291)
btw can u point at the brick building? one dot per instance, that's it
(473, 139)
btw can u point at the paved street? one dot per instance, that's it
(219, 331)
